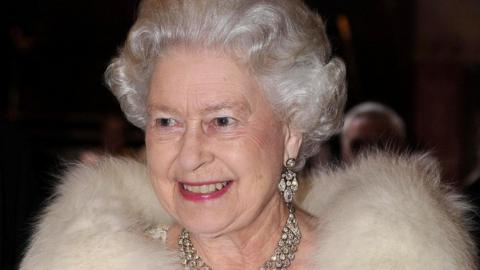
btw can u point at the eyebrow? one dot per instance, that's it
(215, 107)
(161, 108)
(227, 105)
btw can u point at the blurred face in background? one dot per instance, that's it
(369, 131)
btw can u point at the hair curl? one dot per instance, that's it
(282, 41)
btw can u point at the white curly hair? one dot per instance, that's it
(281, 41)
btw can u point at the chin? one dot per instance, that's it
(207, 223)
(206, 217)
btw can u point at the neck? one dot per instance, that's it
(247, 247)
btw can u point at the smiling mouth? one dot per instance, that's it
(205, 189)
(203, 192)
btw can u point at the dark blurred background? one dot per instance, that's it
(422, 58)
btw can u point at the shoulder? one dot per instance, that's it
(390, 212)
(96, 220)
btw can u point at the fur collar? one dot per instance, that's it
(381, 213)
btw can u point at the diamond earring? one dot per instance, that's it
(288, 183)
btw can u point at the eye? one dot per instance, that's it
(224, 121)
(165, 122)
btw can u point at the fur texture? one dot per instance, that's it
(381, 213)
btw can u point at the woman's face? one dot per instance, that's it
(215, 149)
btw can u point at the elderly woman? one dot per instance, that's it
(233, 97)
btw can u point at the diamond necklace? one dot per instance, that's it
(282, 257)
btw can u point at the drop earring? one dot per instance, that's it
(288, 185)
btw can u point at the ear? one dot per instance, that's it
(293, 141)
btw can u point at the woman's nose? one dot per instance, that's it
(194, 151)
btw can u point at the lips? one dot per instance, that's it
(204, 191)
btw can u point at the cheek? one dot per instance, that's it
(269, 141)
(158, 152)
(267, 136)
(259, 152)
(157, 164)
(154, 160)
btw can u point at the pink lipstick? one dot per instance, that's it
(204, 191)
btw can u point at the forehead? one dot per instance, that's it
(205, 75)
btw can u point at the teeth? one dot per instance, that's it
(204, 189)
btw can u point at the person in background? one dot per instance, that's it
(367, 126)
(371, 125)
